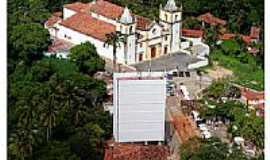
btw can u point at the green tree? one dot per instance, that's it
(29, 41)
(56, 150)
(87, 141)
(87, 58)
(114, 39)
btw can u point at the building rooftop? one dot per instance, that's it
(89, 25)
(167, 62)
(108, 10)
(251, 94)
(126, 151)
(55, 17)
(212, 20)
(142, 22)
(192, 33)
(59, 45)
(227, 36)
(126, 17)
(78, 7)
(170, 6)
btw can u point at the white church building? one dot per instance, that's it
(145, 39)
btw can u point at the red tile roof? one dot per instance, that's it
(212, 20)
(89, 25)
(246, 39)
(192, 33)
(227, 36)
(125, 151)
(107, 9)
(252, 95)
(142, 22)
(254, 32)
(59, 45)
(52, 20)
(78, 7)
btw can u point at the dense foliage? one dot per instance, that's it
(242, 121)
(198, 149)
(51, 101)
(247, 69)
(86, 58)
(54, 105)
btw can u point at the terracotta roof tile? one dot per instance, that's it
(255, 32)
(126, 151)
(212, 20)
(142, 22)
(192, 33)
(252, 95)
(52, 20)
(227, 36)
(89, 25)
(78, 7)
(246, 39)
(107, 9)
(59, 45)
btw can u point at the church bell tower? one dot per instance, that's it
(171, 17)
(127, 26)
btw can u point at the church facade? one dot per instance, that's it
(145, 39)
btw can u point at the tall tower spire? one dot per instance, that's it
(126, 17)
(171, 6)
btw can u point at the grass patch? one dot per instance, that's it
(246, 74)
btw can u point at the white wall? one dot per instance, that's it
(131, 42)
(193, 40)
(78, 38)
(68, 13)
(198, 64)
(175, 37)
(157, 32)
(139, 112)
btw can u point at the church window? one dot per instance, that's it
(140, 57)
(141, 45)
(187, 74)
(154, 31)
(165, 50)
(130, 29)
(176, 17)
(166, 17)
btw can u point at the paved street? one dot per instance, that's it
(168, 62)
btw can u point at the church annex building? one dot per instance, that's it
(145, 39)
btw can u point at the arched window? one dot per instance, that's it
(166, 17)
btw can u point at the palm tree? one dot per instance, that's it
(115, 39)
(48, 115)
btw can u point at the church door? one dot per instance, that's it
(153, 52)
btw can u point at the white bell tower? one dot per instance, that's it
(171, 17)
(127, 26)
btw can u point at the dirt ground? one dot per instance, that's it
(218, 72)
